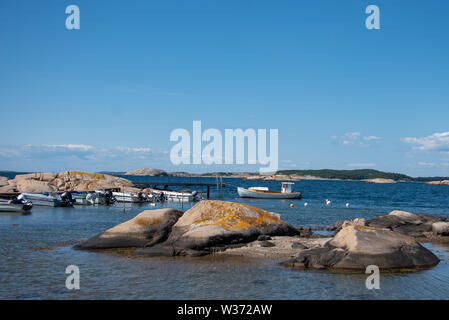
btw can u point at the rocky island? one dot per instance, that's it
(147, 172)
(63, 181)
(235, 229)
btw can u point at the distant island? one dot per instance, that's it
(369, 175)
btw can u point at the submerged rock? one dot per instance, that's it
(356, 247)
(146, 229)
(213, 225)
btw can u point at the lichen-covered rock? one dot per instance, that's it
(146, 229)
(68, 180)
(213, 224)
(356, 247)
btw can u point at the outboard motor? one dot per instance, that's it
(140, 196)
(109, 198)
(67, 199)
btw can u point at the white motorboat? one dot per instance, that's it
(264, 193)
(42, 199)
(131, 197)
(172, 195)
(15, 205)
(79, 198)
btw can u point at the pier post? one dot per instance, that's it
(208, 192)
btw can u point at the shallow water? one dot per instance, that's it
(36, 249)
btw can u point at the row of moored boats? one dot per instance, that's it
(25, 201)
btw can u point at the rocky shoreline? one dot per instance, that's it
(233, 229)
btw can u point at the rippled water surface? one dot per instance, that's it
(36, 249)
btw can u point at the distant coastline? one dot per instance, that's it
(288, 175)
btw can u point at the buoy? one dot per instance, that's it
(347, 204)
(328, 202)
(291, 205)
(305, 204)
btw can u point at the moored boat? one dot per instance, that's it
(175, 195)
(131, 197)
(264, 193)
(16, 205)
(42, 199)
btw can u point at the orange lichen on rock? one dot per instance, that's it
(234, 215)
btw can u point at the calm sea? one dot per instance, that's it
(36, 249)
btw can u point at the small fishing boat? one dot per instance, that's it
(50, 199)
(16, 205)
(79, 198)
(131, 197)
(264, 193)
(176, 195)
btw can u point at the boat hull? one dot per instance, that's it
(245, 193)
(42, 200)
(128, 197)
(6, 207)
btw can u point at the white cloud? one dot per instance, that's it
(59, 156)
(433, 165)
(435, 142)
(354, 139)
(80, 147)
(369, 138)
(352, 135)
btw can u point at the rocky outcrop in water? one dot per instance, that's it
(418, 226)
(146, 229)
(438, 183)
(356, 247)
(380, 181)
(147, 172)
(215, 225)
(67, 180)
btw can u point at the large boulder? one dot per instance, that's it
(146, 229)
(3, 181)
(357, 247)
(68, 180)
(414, 225)
(146, 172)
(441, 228)
(214, 225)
(33, 186)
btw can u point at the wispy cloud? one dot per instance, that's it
(62, 156)
(370, 138)
(433, 165)
(435, 142)
(355, 139)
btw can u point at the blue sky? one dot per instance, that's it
(107, 96)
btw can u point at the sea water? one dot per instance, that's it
(36, 249)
